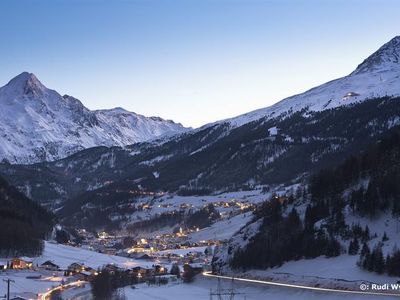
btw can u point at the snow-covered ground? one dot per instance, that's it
(333, 271)
(222, 230)
(65, 255)
(173, 202)
(323, 272)
(26, 287)
(377, 76)
(378, 225)
(200, 289)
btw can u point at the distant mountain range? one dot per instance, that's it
(38, 124)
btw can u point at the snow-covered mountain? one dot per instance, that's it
(273, 149)
(38, 124)
(378, 75)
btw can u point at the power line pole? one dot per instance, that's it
(220, 292)
(8, 280)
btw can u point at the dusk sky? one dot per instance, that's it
(190, 61)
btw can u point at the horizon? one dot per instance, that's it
(194, 63)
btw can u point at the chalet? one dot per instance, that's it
(139, 270)
(84, 275)
(112, 268)
(143, 256)
(139, 273)
(49, 265)
(76, 268)
(158, 269)
(24, 296)
(21, 263)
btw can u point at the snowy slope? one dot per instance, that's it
(63, 256)
(222, 230)
(378, 75)
(39, 124)
(200, 290)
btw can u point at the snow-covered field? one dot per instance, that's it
(335, 271)
(65, 255)
(26, 287)
(200, 289)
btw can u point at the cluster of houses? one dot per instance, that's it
(143, 246)
(80, 271)
(26, 263)
(102, 242)
(110, 244)
(136, 274)
(194, 259)
(233, 207)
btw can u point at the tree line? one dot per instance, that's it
(23, 224)
(371, 178)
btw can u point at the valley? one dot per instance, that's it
(297, 200)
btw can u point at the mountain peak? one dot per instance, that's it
(26, 82)
(377, 76)
(384, 58)
(38, 124)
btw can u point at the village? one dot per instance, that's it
(145, 243)
(166, 248)
(144, 258)
(157, 268)
(144, 255)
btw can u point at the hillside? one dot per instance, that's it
(350, 208)
(255, 153)
(377, 76)
(23, 223)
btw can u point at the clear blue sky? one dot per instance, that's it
(193, 61)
